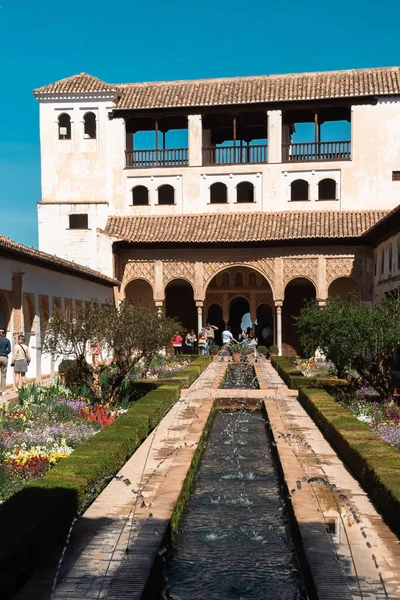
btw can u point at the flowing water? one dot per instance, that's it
(240, 376)
(234, 540)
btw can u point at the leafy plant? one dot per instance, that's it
(214, 349)
(262, 350)
(272, 349)
(360, 339)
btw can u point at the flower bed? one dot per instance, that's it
(314, 367)
(49, 424)
(288, 370)
(383, 418)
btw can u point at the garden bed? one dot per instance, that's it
(37, 518)
(295, 380)
(375, 463)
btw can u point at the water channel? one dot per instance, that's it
(234, 540)
(240, 376)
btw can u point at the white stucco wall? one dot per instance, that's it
(39, 280)
(79, 173)
(386, 279)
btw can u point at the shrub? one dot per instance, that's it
(37, 518)
(214, 349)
(295, 380)
(273, 350)
(375, 464)
(66, 364)
(262, 350)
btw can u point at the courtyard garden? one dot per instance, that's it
(51, 420)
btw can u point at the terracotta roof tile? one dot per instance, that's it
(51, 261)
(243, 227)
(238, 90)
(74, 85)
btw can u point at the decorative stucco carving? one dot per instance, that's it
(343, 267)
(300, 267)
(214, 298)
(264, 298)
(175, 269)
(263, 265)
(139, 269)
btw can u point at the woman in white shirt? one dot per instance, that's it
(21, 360)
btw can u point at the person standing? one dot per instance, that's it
(227, 336)
(210, 335)
(191, 340)
(5, 349)
(202, 344)
(21, 360)
(176, 341)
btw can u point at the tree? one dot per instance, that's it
(127, 334)
(354, 334)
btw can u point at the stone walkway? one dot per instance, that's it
(367, 549)
(351, 552)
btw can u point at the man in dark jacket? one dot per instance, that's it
(5, 349)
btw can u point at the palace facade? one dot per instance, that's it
(215, 199)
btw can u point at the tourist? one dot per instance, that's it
(227, 337)
(21, 360)
(190, 341)
(210, 334)
(5, 349)
(266, 335)
(202, 343)
(242, 337)
(176, 341)
(95, 352)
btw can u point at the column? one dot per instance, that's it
(278, 306)
(199, 306)
(274, 136)
(52, 360)
(195, 139)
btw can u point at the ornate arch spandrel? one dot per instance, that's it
(173, 269)
(306, 268)
(344, 267)
(139, 269)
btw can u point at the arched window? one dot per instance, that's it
(225, 283)
(245, 192)
(327, 189)
(252, 279)
(64, 127)
(299, 190)
(239, 279)
(218, 193)
(166, 195)
(89, 126)
(140, 196)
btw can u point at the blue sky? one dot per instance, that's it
(44, 41)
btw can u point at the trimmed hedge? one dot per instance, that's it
(375, 463)
(295, 380)
(37, 518)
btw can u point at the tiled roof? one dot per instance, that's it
(243, 227)
(76, 84)
(386, 227)
(52, 262)
(381, 81)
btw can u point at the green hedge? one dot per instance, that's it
(37, 518)
(375, 463)
(295, 380)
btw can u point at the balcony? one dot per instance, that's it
(235, 155)
(145, 159)
(316, 151)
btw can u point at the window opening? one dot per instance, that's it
(299, 190)
(218, 193)
(78, 221)
(64, 127)
(89, 126)
(245, 192)
(166, 195)
(327, 189)
(140, 196)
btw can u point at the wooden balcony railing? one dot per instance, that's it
(311, 151)
(143, 159)
(235, 155)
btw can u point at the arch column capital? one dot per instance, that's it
(278, 303)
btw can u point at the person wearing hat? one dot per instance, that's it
(210, 335)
